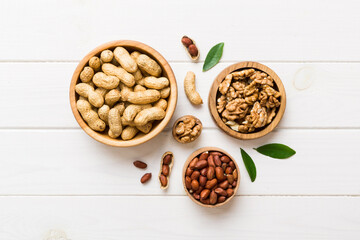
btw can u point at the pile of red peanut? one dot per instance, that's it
(211, 178)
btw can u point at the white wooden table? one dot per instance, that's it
(54, 176)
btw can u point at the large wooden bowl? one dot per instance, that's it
(214, 94)
(191, 157)
(140, 137)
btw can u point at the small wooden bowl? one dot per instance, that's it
(181, 119)
(196, 153)
(140, 137)
(214, 94)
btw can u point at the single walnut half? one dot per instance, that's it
(239, 86)
(248, 100)
(224, 85)
(243, 74)
(258, 115)
(187, 129)
(235, 109)
(271, 114)
(250, 89)
(231, 94)
(252, 99)
(221, 103)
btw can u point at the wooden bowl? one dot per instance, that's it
(140, 137)
(176, 137)
(191, 157)
(214, 94)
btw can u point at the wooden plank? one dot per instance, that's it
(319, 95)
(261, 30)
(56, 162)
(92, 218)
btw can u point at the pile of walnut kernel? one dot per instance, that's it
(248, 100)
(188, 129)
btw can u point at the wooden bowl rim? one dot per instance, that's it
(191, 157)
(180, 119)
(172, 100)
(214, 89)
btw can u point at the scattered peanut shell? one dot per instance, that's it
(166, 164)
(190, 48)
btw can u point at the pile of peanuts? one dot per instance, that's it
(122, 91)
(211, 177)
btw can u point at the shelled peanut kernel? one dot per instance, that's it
(207, 181)
(166, 164)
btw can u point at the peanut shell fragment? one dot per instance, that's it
(190, 48)
(166, 164)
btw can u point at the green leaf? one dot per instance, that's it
(249, 164)
(276, 150)
(213, 56)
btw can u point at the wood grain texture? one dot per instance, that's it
(68, 162)
(316, 92)
(282, 30)
(166, 72)
(310, 44)
(93, 218)
(213, 95)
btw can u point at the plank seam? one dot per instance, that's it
(177, 195)
(168, 128)
(185, 61)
